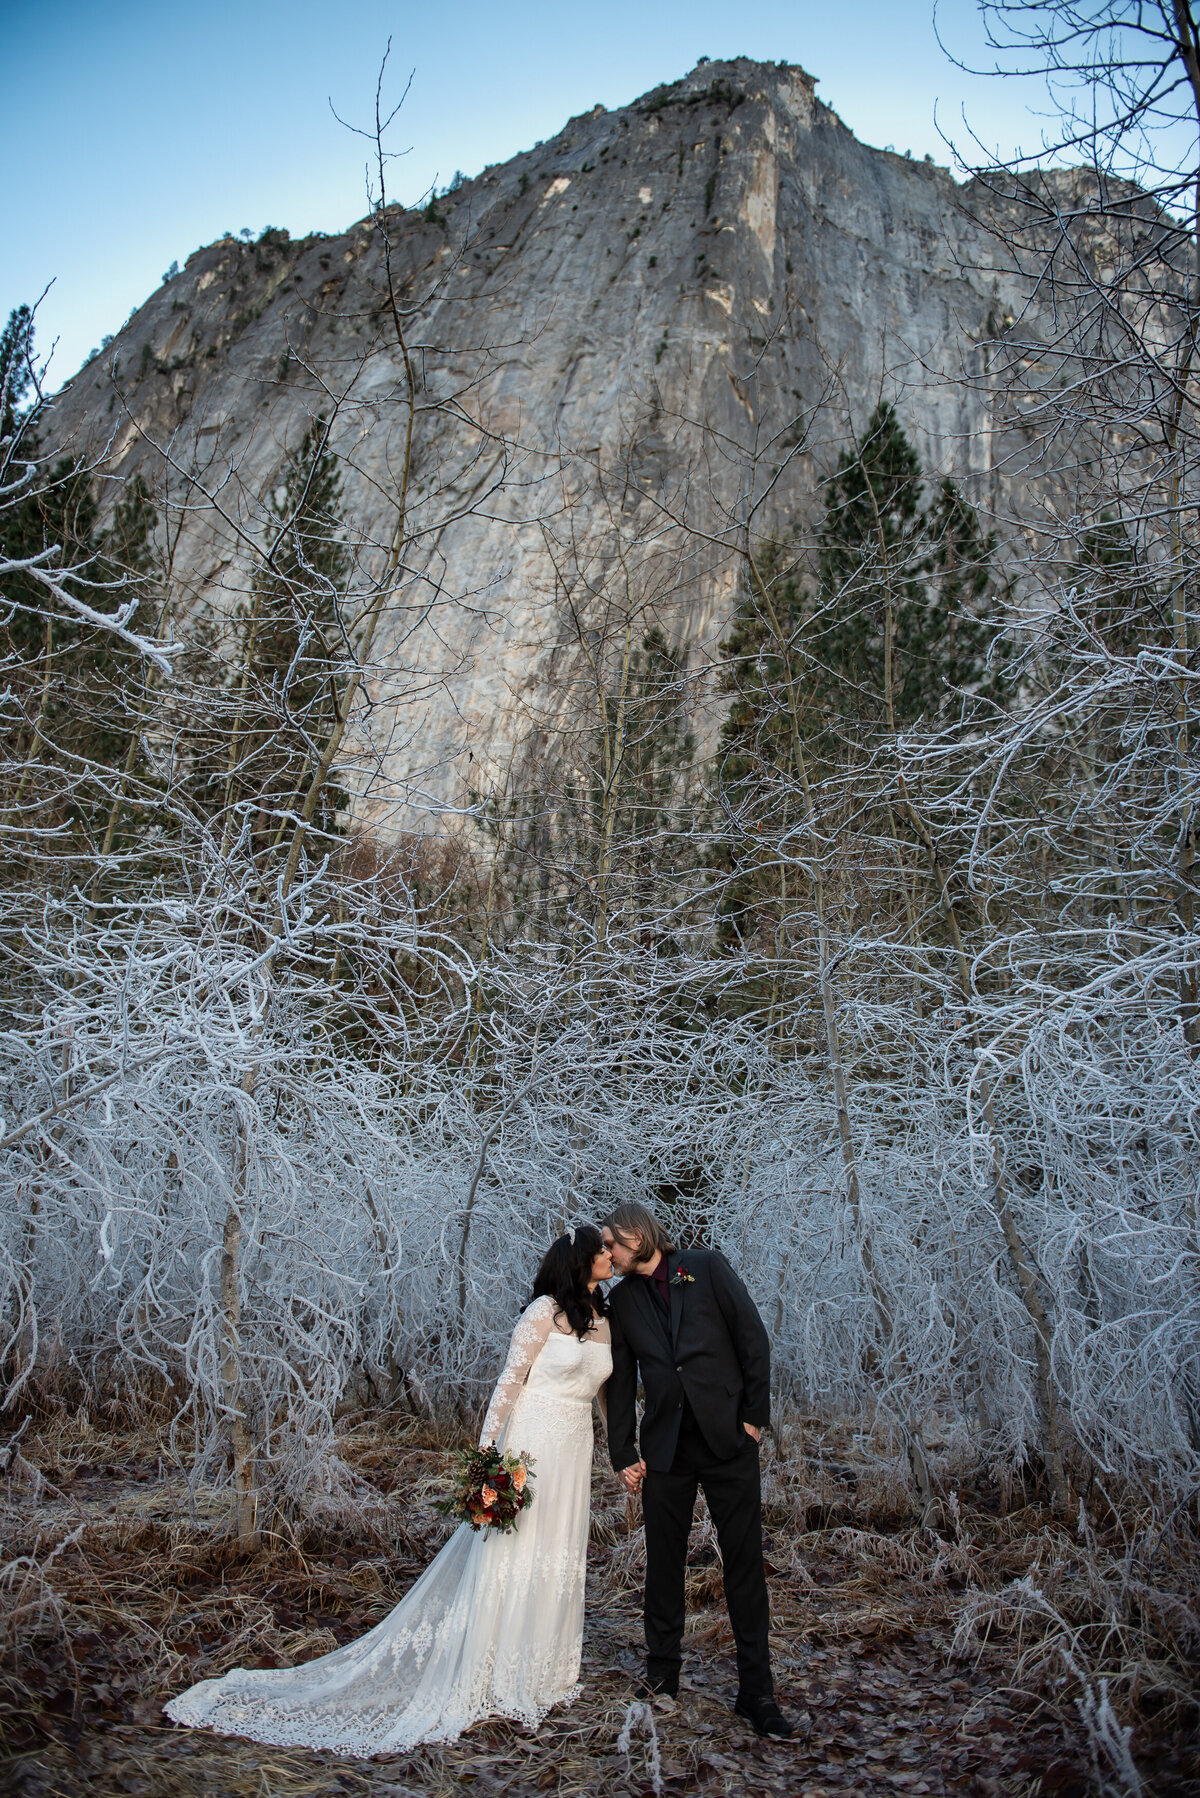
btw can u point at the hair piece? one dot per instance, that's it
(564, 1274)
(631, 1219)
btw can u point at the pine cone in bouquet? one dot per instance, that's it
(490, 1490)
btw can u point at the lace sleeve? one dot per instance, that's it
(533, 1327)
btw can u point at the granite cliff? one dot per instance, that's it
(657, 290)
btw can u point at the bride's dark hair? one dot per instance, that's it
(564, 1274)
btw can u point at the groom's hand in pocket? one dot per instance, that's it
(752, 1430)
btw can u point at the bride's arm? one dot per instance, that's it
(602, 1401)
(528, 1339)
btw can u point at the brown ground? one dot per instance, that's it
(146, 1599)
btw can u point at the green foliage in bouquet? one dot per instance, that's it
(490, 1489)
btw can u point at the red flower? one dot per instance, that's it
(501, 1480)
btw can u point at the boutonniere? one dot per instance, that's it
(681, 1277)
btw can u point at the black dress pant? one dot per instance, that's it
(734, 1494)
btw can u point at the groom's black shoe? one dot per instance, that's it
(650, 1689)
(765, 1716)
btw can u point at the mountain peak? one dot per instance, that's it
(714, 260)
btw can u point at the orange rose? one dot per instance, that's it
(519, 1477)
(488, 1496)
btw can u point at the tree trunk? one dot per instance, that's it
(240, 1435)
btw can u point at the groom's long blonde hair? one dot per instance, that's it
(631, 1219)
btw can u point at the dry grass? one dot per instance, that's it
(954, 1660)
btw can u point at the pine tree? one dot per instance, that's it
(74, 683)
(761, 663)
(292, 644)
(871, 555)
(16, 371)
(614, 823)
(953, 643)
(657, 745)
(657, 753)
(897, 618)
(768, 676)
(1127, 603)
(900, 619)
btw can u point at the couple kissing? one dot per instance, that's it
(494, 1624)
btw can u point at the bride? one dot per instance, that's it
(494, 1625)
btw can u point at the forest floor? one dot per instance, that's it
(119, 1591)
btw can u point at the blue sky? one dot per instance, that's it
(147, 129)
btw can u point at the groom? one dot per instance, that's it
(688, 1328)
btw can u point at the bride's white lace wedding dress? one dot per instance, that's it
(494, 1625)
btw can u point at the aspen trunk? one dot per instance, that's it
(233, 1389)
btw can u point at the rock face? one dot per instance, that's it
(632, 312)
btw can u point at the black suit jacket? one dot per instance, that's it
(713, 1350)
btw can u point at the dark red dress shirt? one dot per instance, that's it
(657, 1282)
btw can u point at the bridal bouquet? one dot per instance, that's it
(490, 1489)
